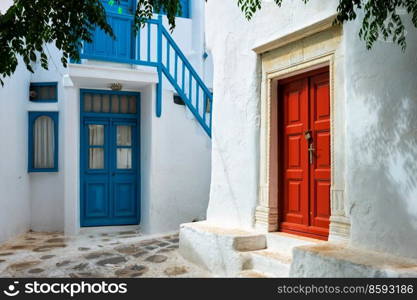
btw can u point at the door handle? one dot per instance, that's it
(310, 152)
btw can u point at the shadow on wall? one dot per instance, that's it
(384, 172)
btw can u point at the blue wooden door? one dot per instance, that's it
(122, 48)
(109, 159)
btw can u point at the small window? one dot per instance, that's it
(109, 103)
(43, 141)
(43, 92)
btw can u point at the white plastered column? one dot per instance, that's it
(71, 121)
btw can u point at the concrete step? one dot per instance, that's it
(272, 263)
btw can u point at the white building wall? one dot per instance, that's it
(175, 171)
(236, 118)
(380, 105)
(177, 192)
(47, 189)
(381, 132)
(14, 180)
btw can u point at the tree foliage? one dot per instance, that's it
(382, 18)
(28, 25)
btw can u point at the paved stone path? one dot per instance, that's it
(119, 254)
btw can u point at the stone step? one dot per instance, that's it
(253, 274)
(341, 260)
(284, 243)
(219, 250)
(275, 264)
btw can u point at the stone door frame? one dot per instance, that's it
(305, 58)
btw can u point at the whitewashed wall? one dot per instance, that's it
(381, 121)
(236, 119)
(14, 179)
(47, 189)
(175, 170)
(381, 131)
(175, 189)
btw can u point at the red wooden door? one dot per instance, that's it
(305, 154)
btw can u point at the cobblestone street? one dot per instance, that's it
(119, 254)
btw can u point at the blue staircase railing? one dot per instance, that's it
(171, 62)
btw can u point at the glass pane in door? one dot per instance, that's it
(96, 158)
(124, 158)
(96, 135)
(124, 135)
(96, 146)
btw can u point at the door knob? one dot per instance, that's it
(307, 135)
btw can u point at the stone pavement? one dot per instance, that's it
(118, 254)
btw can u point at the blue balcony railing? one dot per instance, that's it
(154, 46)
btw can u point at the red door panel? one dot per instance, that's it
(320, 169)
(295, 97)
(305, 185)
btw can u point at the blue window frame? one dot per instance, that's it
(43, 92)
(43, 141)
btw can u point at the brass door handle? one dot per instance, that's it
(310, 152)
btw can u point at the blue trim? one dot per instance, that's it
(124, 176)
(159, 85)
(43, 84)
(164, 67)
(33, 115)
(106, 92)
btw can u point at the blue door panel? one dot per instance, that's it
(123, 43)
(100, 45)
(110, 188)
(103, 46)
(126, 204)
(96, 204)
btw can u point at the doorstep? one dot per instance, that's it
(232, 252)
(341, 260)
(218, 250)
(133, 229)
